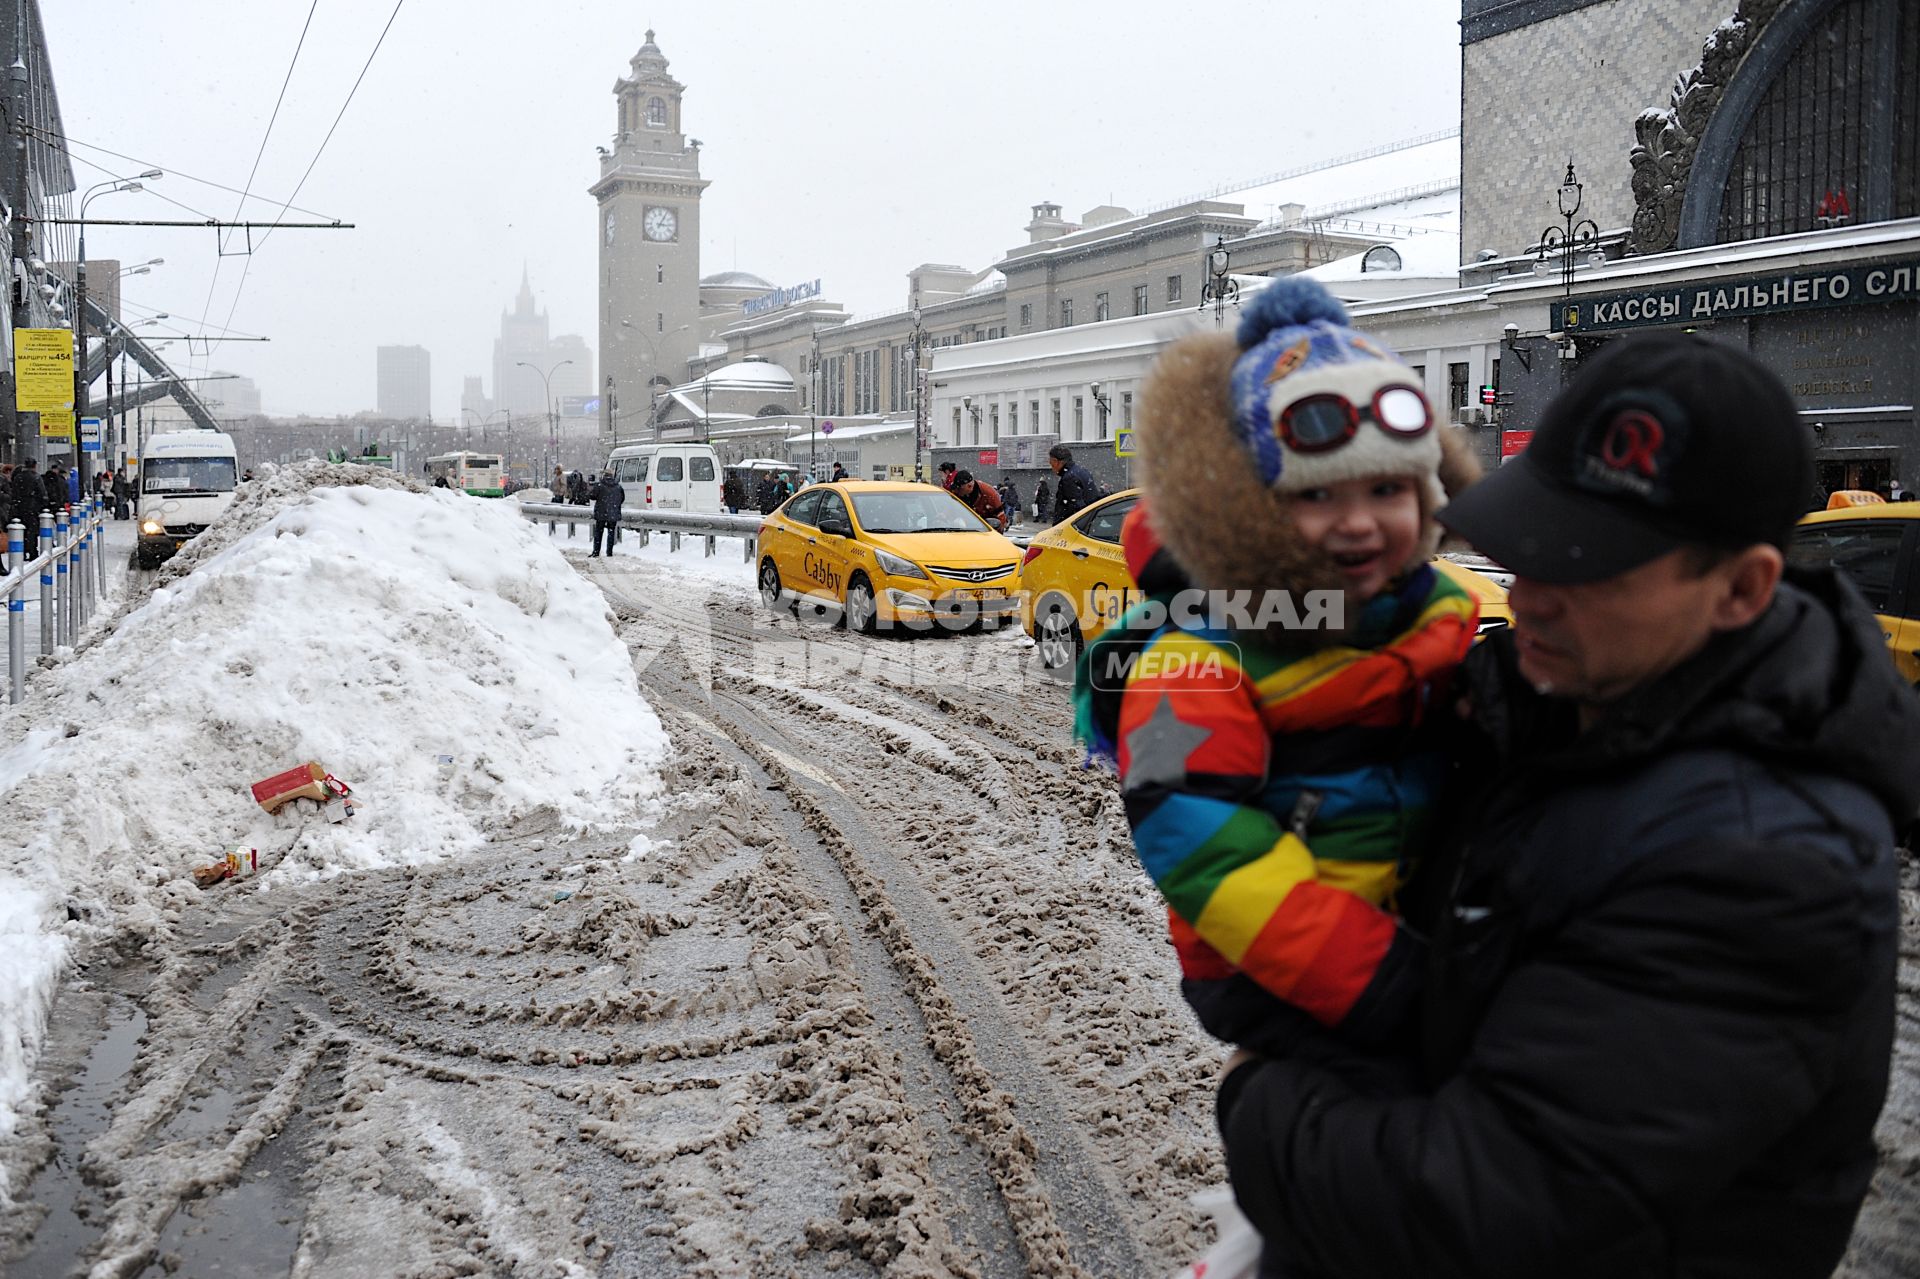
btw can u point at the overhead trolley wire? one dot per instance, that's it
(316, 157)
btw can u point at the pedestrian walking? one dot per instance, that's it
(559, 485)
(1661, 937)
(839, 472)
(1010, 498)
(29, 499)
(1077, 487)
(733, 494)
(122, 494)
(55, 484)
(608, 498)
(1042, 504)
(766, 496)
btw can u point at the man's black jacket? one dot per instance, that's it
(1660, 1002)
(1076, 491)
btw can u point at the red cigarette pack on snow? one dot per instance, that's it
(309, 781)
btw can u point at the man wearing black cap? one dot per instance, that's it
(1659, 1001)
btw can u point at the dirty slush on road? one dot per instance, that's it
(876, 988)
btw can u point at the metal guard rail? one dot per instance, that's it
(71, 582)
(673, 523)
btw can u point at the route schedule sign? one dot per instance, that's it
(43, 373)
(89, 435)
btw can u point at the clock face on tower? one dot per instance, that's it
(661, 223)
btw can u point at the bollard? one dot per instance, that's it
(571, 526)
(646, 537)
(82, 567)
(99, 548)
(746, 544)
(62, 579)
(17, 615)
(47, 609)
(711, 539)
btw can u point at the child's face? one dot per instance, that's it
(1369, 528)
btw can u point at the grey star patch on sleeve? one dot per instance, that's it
(1157, 750)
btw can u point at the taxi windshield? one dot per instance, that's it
(928, 512)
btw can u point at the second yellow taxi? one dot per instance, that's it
(881, 554)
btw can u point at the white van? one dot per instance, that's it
(668, 477)
(187, 480)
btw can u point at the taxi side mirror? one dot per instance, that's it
(836, 528)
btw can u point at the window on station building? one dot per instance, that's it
(1456, 386)
(1056, 416)
(1066, 313)
(1126, 408)
(1013, 417)
(1139, 299)
(1173, 288)
(1033, 415)
(660, 273)
(1079, 418)
(1832, 142)
(993, 422)
(656, 113)
(1026, 315)
(956, 426)
(1099, 307)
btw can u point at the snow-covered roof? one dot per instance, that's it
(752, 373)
(993, 279)
(736, 280)
(857, 432)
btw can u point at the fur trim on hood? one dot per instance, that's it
(1205, 499)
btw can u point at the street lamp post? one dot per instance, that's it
(553, 417)
(1220, 288)
(80, 313)
(1569, 237)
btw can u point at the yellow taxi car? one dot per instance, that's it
(880, 554)
(1874, 544)
(1077, 584)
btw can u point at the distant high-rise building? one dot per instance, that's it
(231, 396)
(473, 397)
(405, 379)
(524, 351)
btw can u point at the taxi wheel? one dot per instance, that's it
(861, 609)
(1057, 634)
(770, 584)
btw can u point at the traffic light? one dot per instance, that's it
(1488, 395)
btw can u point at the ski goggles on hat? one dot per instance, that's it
(1318, 423)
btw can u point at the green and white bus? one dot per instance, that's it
(477, 473)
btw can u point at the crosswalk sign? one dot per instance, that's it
(1123, 442)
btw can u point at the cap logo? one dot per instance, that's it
(1632, 440)
(1630, 447)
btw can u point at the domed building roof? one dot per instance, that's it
(756, 372)
(736, 280)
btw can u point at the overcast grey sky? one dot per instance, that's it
(845, 141)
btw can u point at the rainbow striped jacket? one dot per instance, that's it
(1276, 797)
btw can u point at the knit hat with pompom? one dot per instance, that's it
(1298, 348)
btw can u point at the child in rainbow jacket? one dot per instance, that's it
(1278, 762)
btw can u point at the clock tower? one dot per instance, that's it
(649, 230)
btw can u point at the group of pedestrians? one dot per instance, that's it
(1571, 952)
(27, 492)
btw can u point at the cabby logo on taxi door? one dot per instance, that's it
(1630, 445)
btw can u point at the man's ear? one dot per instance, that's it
(1749, 579)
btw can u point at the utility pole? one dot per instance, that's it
(921, 444)
(14, 19)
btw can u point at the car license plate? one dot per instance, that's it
(988, 593)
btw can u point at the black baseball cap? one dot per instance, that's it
(1659, 442)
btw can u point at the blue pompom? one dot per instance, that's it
(1289, 301)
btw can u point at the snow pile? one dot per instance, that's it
(336, 614)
